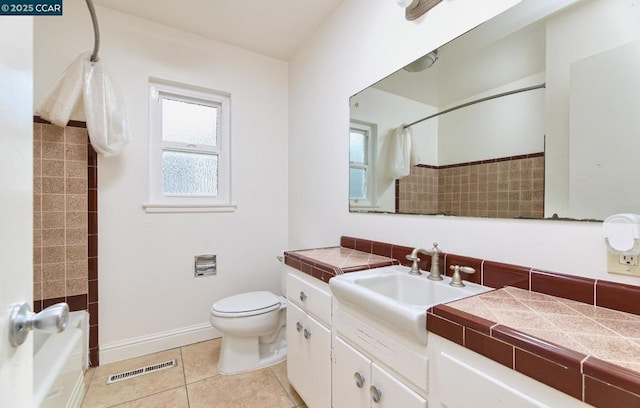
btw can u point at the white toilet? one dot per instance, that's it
(253, 331)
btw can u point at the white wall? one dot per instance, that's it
(149, 299)
(586, 28)
(509, 126)
(364, 41)
(604, 137)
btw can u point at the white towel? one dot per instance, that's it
(60, 100)
(403, 153)
(104, 110)
(103, 104)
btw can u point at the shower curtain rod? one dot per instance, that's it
(487, 98)
(96, 31)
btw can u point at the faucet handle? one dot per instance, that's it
(456, 280)
(415, 269)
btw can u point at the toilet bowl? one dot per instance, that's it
(253, 331)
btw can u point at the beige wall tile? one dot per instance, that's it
(53, 289)
(75, 135)
(77, 253)
(37, 237)
(53, 202)
(53, 255)
(37, 149)
(76, 185)
(37, 131)
(77, 219)
(53, 272)
(77, 236)
(52, 219)
(37, 255)
(53, 151)
(52, 133)
(76, 152)
(37, 185)
(76, 202)
(52, 168)
(76, 286)
(37, 202)
(52, 237)
(37, 273)
(52, 185)
(76, 169)
(37, 291)
(77, 269)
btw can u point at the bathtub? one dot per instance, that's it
(59, 363)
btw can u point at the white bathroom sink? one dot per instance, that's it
(398, 299)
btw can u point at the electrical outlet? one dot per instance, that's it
(623, 264)
(628, 260)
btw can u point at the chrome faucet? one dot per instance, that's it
(434, 273)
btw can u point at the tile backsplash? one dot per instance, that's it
(65, 220)
(507, 187)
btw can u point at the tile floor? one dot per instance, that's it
(194, 383)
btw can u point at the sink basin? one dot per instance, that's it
(399, 300)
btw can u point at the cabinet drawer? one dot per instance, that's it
(312, 295)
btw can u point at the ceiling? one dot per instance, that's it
(274, 27)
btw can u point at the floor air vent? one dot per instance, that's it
(140, 371)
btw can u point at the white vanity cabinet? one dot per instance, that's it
(358, 382)
(309, 338)
(461, 378)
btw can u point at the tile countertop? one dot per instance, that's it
(587, 351)
(324, 263)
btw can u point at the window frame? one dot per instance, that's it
(369, 165)
(160, 202)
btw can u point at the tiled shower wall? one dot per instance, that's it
(508, 187)
(65, 221)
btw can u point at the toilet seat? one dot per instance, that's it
(246, 304)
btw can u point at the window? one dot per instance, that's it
(190, 149)
(361, 164)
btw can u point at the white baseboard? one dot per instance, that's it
(153, 343)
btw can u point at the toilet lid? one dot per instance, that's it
(246, 304)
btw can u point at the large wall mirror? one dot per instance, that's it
(533, 114)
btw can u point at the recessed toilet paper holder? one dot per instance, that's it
(205, 265)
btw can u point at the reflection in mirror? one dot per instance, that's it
(533, 114)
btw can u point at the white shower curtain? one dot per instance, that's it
(402, 152)
(104, 108)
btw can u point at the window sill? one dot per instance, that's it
(187, 208)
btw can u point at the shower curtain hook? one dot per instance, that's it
(96, 31)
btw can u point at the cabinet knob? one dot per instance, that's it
(299, 326)
(359, 379)
(303, 296)
(376, 394)
(307, 333)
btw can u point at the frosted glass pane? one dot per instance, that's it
(191, 174)
(357, 183)
(189, 122)
(357, 146)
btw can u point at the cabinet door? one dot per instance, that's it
(393, 393)
(351, 377)
(309, 357)
(480, 389)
